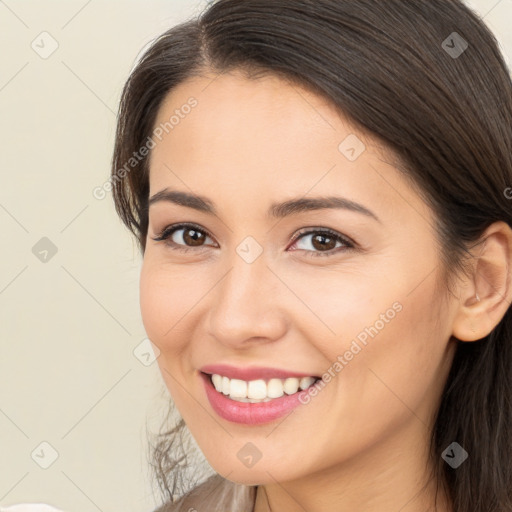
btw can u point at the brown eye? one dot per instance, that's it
(322, 243)
(183, 236)
(193, 237)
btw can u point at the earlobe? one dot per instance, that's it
(487, 294)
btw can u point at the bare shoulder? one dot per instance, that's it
(218, 495)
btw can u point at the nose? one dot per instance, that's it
(247, 305)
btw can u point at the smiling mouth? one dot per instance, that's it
(260, 390)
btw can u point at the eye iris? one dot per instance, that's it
(323, 245)
(191, 239)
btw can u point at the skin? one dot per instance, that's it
(361, 443)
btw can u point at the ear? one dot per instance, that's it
(490, 281)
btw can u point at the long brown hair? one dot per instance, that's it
(426, 78)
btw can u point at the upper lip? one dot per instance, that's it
(251, 373)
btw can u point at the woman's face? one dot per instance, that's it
(256, 285)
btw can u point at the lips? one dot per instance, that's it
(248, 413)
(252, 373)
(257, 411)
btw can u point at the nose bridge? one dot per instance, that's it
(245, 302)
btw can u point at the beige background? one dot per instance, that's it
(69, 325)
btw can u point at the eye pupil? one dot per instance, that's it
(322, 245)
(191, 239)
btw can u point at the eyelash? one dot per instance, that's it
(166, 233)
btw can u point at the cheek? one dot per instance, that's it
(402, 363)
(162, 304)
(150, 294)
(389, 332)
(339, 305)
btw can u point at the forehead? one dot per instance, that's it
(266, 137)
(251, 111)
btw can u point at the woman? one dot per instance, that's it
(321, 193)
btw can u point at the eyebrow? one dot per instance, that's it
(276, 210)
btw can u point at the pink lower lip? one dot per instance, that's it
(246, 413)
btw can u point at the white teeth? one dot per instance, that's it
(225, 385)
(305, 382)
(238, 388)
(256, 391)
(275, 388)
(217, 382)
(291, 386)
